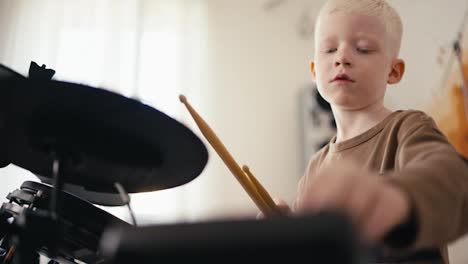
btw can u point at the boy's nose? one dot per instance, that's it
(342, 57)
(342, 61)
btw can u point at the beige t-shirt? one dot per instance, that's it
(409, 149)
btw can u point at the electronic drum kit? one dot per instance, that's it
(82, 143)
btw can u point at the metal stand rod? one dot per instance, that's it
(58, 185)
(55, 202)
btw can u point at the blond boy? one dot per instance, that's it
(393, 172)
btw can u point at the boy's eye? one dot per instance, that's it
(363, 50)
(330, 50)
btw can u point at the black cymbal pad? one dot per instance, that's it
(100, 137)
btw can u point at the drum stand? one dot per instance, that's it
(34, 229)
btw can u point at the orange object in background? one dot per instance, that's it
(454, 124)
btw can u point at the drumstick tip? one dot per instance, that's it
(245, 168)
(182, 98)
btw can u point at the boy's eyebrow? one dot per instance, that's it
(366, 36)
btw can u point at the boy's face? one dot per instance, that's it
(353, 62)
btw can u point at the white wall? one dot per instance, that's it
(256, 67)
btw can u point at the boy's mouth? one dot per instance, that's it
(342, 77)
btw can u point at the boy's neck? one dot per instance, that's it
(351, 123)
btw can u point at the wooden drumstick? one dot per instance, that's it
(266, 197)
(227, 158)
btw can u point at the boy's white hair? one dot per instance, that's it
(380, 9)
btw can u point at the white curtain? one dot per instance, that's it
(151, 50)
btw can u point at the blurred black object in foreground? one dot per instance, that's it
(322, 238)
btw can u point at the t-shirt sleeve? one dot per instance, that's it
(436, 179)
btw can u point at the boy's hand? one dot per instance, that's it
(374, 205)
(282, 205)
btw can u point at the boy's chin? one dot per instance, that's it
(351, 105)
(344, 102)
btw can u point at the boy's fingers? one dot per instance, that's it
(279, 202)
(282, 205)
(260, 215)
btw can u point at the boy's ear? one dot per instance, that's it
(397, 71)
(312, 69)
